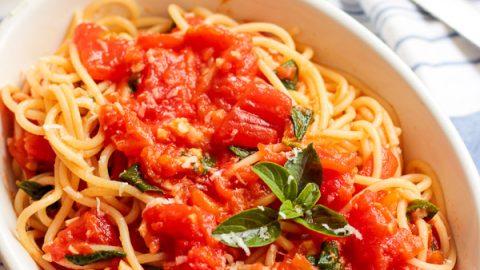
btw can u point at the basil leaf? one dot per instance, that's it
(308, 197)
(94, 257)
(289, 210)
(251, 228)
(291, 143)
(208, 163)
(312, 260)
(325, 221)
(305, 167)
(431, 209)
(241, 152)
(133, 81)
(301, 119)
(277, 178)
(290, 84)
(133, 176)
(329, 257)
(33, 189)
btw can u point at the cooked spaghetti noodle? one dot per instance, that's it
(164, 93)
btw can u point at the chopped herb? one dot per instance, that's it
(208, 163)
(290, 83)
(33, 189)
(133, 176)
(134, 81)
(312, 260)
(301, 119)
(430, 208)
(329, 257)
(241, 152)
(96, 256)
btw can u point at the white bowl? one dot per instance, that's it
(36, 28)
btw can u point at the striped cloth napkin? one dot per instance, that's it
(448, 64)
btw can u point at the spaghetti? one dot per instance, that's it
(121, 150)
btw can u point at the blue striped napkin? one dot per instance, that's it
(448, 64)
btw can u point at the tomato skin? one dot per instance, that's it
(91, 227)
(389, 165)
(159, 40)
(298, 262)
(383, 245)
(103, 57)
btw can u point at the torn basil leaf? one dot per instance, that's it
(325, 221)
(290, 83)
(301, 119)
(134, 81)
(33, 189)
(134, 177)
(251, 228)
(277, 178)
(430, 208)
(289, 210)
(96, 256)
(241, 152)
(305, 167)
(308, 197)
(208, 163)
(329, 256)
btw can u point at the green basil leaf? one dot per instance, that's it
(312, 260)
(208, 163)
(94, 257)
(33, 189)
(255, 227)
(289, 210)
(291, 143)
(241, 152)
(305, 167)
(325, 221)
(429, 207)
(290, 84)
(133, 176)
(301, 119)
(133, 81)
(329, 257)
(277, 178)
(308, 197)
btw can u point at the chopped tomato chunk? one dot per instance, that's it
(92, 227)
(299, 262)
(33, 153)
(336, 189)
(335, 160)
(102, 55)
(383, 244)
(389, 165)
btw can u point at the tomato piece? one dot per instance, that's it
(245, 129)
(201, 258)
(159, 40)
(124, 129)
(204, 36)
(331, 158)
(298, 262)
(92, 227)
(269, 104)
(383, 245)
(176, 222)
(336, 189)
(389, 164)
(33, 153)
(103, 56)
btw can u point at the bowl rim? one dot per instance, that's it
(9, 255)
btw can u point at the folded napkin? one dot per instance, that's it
(447, 63)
